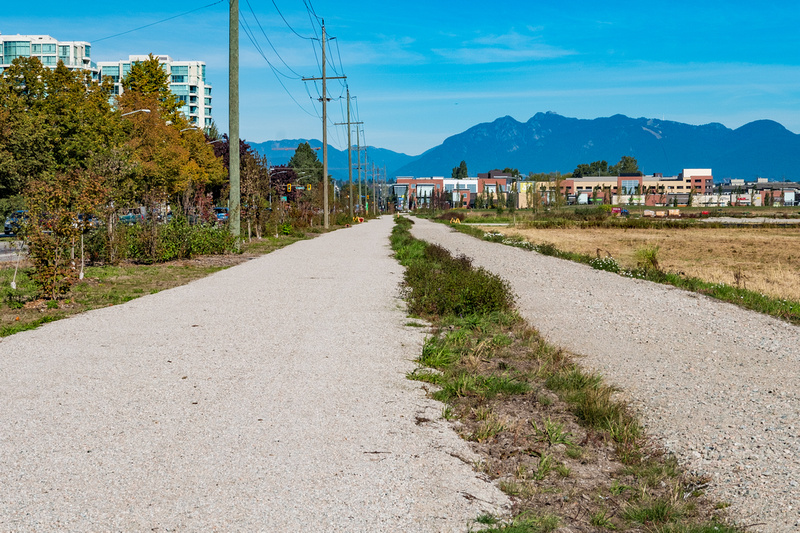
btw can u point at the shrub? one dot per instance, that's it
(647, 257)
(439, 284)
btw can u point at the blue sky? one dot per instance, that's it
(422, 71)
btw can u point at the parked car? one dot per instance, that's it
(133, 216)
(14, 221)
(222, 214)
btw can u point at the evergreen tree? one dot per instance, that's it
(306, 164)
(460, 172)
(149, 78)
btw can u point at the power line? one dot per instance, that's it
(158, 22)
(275, 71)
(270, 42)
(287, 22)
(310, 8)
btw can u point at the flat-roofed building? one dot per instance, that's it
(187, 83)
(76, 55)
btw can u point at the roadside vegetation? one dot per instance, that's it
(558, 440)
(97, 183)
(752, 267)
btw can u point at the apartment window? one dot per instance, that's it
(178, 79)
(207, 91)
(208, 122)
(126, 68)
(63, 52)
(36, 48)
(193, 110)
(193, 89)
(208, 101)
(88, 50)
(203, 73)
(49, 61)
(192, 99)
(182, 98)
(49, 48)
(208, 110)
(180, 70)
(14, 49)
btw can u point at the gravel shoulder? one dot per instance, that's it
(716, 385)
(267, 397)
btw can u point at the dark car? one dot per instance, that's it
(14, 221)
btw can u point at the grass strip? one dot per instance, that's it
(543, 426)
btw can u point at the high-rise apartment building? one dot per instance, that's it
(187, 82)
(187, 78)
(76, 55)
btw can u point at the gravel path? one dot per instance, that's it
(717, 385)
(267, 397)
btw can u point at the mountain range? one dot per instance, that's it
(551, 142)
(280, 152)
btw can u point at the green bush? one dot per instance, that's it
(144, 243)
(439, 284)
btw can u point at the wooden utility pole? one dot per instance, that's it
(358, 167)
(324, 100)
(374, 192)
(234, 199)
(349, 150)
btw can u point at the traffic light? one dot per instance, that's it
(288, 187)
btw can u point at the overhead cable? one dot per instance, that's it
(158, 22)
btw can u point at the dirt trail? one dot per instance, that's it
(717, 385)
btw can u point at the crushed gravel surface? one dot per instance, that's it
(717, 385)
(267, 397)
(754, 220)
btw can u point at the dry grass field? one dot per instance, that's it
(766, 260)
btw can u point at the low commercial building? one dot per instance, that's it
(632, 189)
(412, 193)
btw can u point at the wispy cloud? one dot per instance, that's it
(385, 50)
(511, 47)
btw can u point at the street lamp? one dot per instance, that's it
(216, 141)
(136, 111)
(187, 129)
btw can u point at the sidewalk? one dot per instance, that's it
(267, 397)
